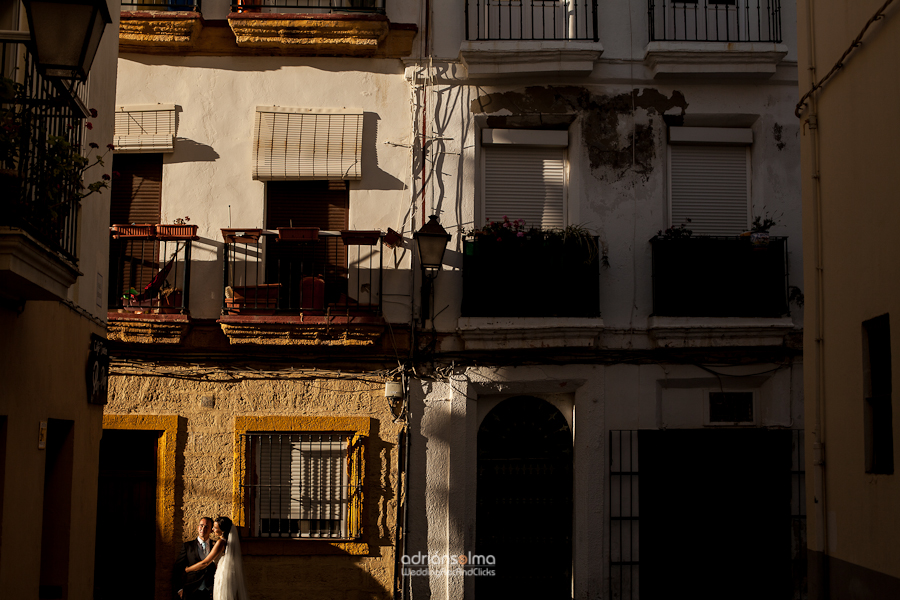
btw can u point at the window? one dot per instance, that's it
(731, 407)
(295, 143)
(303, 484)
(320, 204)
(524, 176)
(879, 434)
(709, 179)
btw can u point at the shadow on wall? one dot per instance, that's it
(374, 178)
(191, 151)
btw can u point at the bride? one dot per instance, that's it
(229, 581)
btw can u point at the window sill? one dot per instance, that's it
(755, 60)
(302, 547)
(711, 332)
(513, 58)
(515, 333)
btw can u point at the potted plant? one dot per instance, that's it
(759, 230)
(298, 234)
(360, 237)
(243, 236)
(179, 230)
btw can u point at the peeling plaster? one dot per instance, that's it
(777, 132)
(615, 132)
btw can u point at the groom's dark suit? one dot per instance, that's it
(190, 582)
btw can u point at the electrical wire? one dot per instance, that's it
(879, 14)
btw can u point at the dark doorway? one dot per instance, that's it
(524, 501)
(126, 515)
(715, 514)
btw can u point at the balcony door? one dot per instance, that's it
(321, 204)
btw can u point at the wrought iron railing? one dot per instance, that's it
(302, 485)
(162, 5)
(531, 20)
(715, 20)
(302, 270)
(719, 277)
(537, 276)
(41, 123)
(149, 273)
(309, 6)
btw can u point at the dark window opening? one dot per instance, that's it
(731, 407)
(879, 434)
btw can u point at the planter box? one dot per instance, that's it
(360, 238)
(298, 234)
(171, 304)
(133, 231)
(253, 298)
(244, 236)
(176, 232)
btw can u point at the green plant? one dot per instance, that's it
(762, 223)
(673, 233)
(572, 236)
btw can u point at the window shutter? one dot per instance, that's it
(525, 183)
(149, 128)
(710, 186)
(298, 144)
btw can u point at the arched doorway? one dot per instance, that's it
(524, 500)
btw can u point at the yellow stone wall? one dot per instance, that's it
(206, 413)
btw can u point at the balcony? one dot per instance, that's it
(533, 277)
(300, 285)
(740, 38)
(150, 279)
(159, 5)
(309, 7)
(719, 291)
(530, 37)
(159, 26)
(40, 139)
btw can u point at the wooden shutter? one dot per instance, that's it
(297, 144)
(525, 183)
(149, 128)
(321, 204)
(135, 197)
(710, 185)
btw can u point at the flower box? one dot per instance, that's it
(245, 236)
(176, 232)
(298, 234)
(360, 237)
(133, 231)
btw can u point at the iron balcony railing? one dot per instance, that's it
(531, 20)
(534, 276)
(719, 277)
(41, 124)
(302, 269)
(309, 6)
(160, 5)
(150, 272)
(715, 20)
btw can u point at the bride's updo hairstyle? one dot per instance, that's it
(225, 525)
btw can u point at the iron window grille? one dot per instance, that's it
(174, 5)
(309, 6)
(303, 485)
(531, 20)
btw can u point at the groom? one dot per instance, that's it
(199, 584)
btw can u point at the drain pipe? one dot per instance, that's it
(819, 493)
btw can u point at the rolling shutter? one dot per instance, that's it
(710, 185)
(146, 128)
(299, 144)
(525, 183)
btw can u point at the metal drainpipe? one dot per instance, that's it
(819, 496)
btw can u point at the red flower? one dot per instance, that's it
(94, 113)
(89, 125)
(110, 146)
(93, 145)
(116, 174)
(106, 177)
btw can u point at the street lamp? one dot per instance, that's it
(431, 241)
(66, 34)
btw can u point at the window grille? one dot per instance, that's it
(303, 485)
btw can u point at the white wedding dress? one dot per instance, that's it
(229, 581)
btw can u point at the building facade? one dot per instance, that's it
(847, 195)
(53, 266)
(594, 165)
